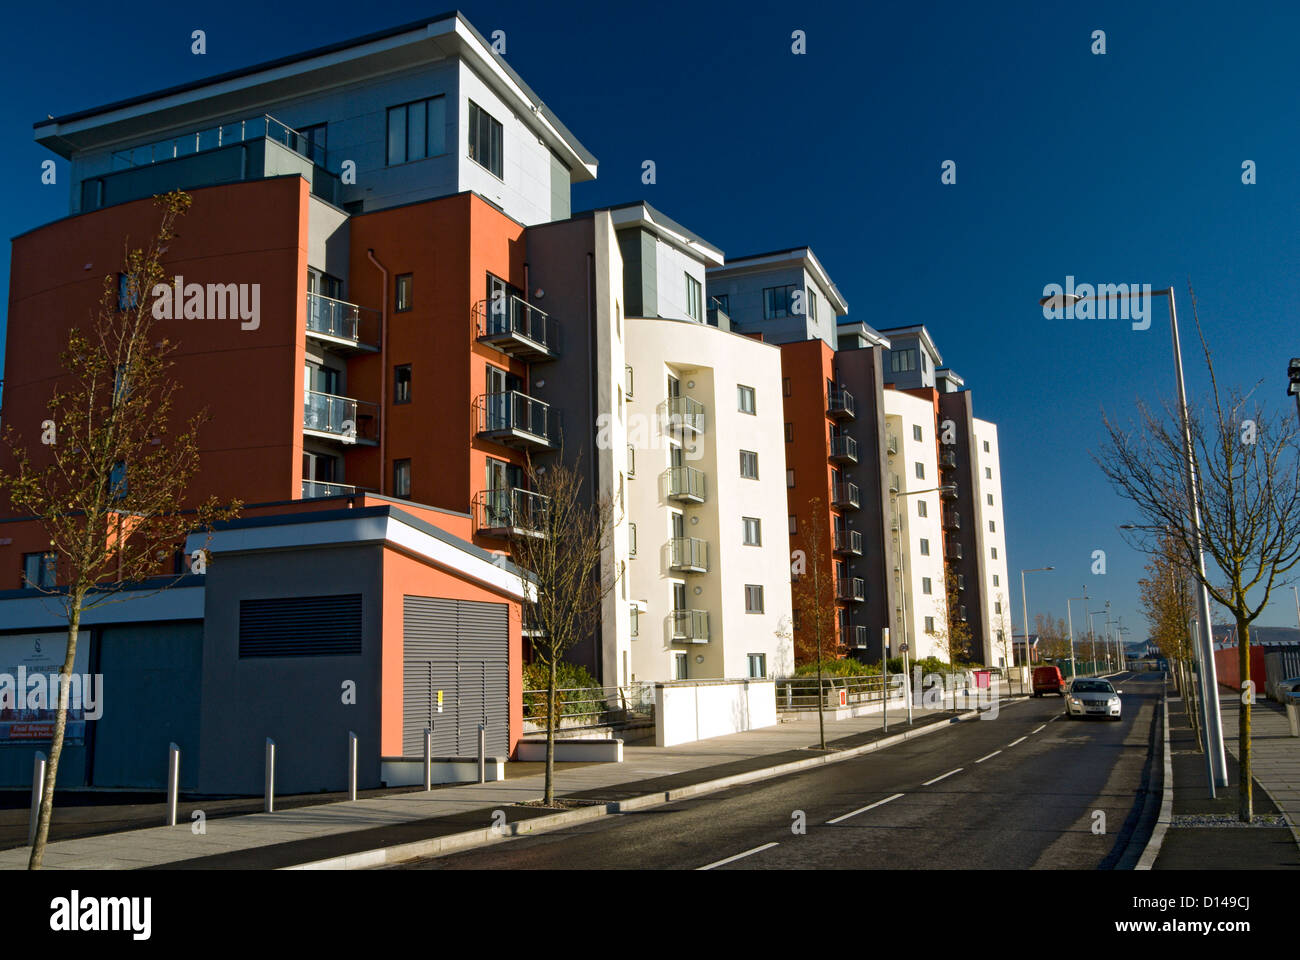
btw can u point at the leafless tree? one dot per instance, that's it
(814, 599)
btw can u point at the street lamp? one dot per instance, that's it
(1218, 766)
(1024, 609)
(1069, 616)
(1293, 382)
(902, 586)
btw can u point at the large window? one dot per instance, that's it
(694, 295)
(417, 130)
(902, 361)
(39, 569)
(485, 139)
(778, 302)
(749, 464)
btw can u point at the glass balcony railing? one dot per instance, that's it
(322, 488)
(517, 328)
(689, 554)
(858, 637)
(216, 137)
(515, 419)
(686, 483)
(689, 626)
(844, 449)
(686, 413)
(848, 542)
(341, 418)
(850, 589)
(951, 520)
(844, 494)
(840, 403)
(340, 320)
(511, 510)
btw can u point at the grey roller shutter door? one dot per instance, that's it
(460, 647)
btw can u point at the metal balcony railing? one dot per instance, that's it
(222, 135)
(689, 626)
(858, 637)
(341, 418)
(844, 494)
(948, 458)
(844, 449)
(840, 403)
(322, 488)
(891, 444)
(686, 413)
(686, 483)
(511, 510)
(515, 327)
(515, 419)
(953, 551)
(894, 485)
(340, 320)
(851, 589)
(689, 554)
(848, 542)
(948, 491)
(951, 520)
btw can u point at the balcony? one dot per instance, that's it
(891, 444)
(948, 458)
(340, 418)
(686, 414)
(844, 494)
(857, 638)
(961, 581)
(850, 589)
(953, 550)
(951, 520)
(686, 484)
(517, 329)
(894, 484)
(841, 405)
(689, 626)
(688, 555)
(848, 543)
(961, 613)
(321, 488)
(948, 491)
(844, 449)
(343, 326)
(515, 419)
(510, 512)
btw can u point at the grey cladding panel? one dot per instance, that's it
(300, 626)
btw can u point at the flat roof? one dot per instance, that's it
(805, 255)
(639, 213)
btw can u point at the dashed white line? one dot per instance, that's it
(747, 853)
(988, 756)
(943, 776)
(870, 806)
(1036, 729)
(1014, 742)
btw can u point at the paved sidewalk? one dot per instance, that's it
(291, 837)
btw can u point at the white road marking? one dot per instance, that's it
(718, 863)
(988, 756)
(1036, 729)
(870, 806)
(1014, 742)
(943, 777)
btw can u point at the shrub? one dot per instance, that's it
(578, 688)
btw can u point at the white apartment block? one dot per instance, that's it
(916, 525)
(988, 514)
(710, 576)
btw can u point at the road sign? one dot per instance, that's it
(902, 647)
(844, 698)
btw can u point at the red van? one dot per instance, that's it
(1048, 680)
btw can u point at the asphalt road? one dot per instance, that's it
(1029, 789)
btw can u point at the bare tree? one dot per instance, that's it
(107, 482)
(562, 541)
(951, 628)
(1249, 490)
(814, 599)
(1166, 596)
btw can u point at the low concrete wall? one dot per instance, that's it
(573, 751)
(688, 710)
(401, 772)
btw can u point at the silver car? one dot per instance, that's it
(1086, 697)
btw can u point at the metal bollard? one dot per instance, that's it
(352, 765)
(428, 758)
(173, 781)
(482, 746)
(1293, 715)
(38, 792)
(268, 804)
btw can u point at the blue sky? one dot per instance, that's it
(1118, 168)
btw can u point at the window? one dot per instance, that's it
(794, 524)
(745, 399)
(749, 464)
(902, 361)
(402, 383)
(988, 473)
(997, 606)
(995, 553)
(722, 302)
(128, 297)
(753, 598)
(39, 569)
(796, 619)
(925, 547)
(778, 302)
(679, 666)
(311, 142)
(995, 579)
(920, 470)
(402, 294)
(484, 139)
(789, 477)
(757, 665)
(986, 446)
(916, 432)
(993, 527)
(694, 294)
(812, 306)
(117, 487)
(636, 621)
(789, 433)
(929, 625)
(627, 387)
(924, 367)
(787, 389)
(926, 585)
(631, 539)
(402, 478)
(921, 509)
(753, 531)
(415, 131)
(989, 498)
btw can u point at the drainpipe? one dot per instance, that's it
(383, 375)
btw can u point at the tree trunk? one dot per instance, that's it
(1245, 802)
(56, 743)
(548, 797)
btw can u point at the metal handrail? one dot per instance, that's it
(324, 488)
(512, 508)
(330, 413)
(844, 446)
(335, 318)
(513, 410)
(686, 412)
(517, 317)
(686, 482)
(214, 138)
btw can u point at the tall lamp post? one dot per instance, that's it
(902, 586)
(1218, 765)
(1024, 610)
(1069, 616)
